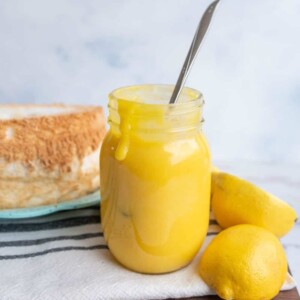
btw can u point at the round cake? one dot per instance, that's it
(48, 153)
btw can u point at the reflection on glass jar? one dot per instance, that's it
(155, 178)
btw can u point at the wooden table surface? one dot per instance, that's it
(287, 295)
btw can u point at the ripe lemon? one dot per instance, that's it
(214, 171)
(237, 201)
(244, 262)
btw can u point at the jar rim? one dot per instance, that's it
(196, 97)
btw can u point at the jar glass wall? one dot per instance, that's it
(155, 178)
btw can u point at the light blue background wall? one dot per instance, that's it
(249, 68)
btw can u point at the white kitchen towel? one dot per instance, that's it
(64, 256)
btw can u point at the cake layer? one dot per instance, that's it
(48, 153)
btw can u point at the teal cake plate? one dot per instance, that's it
(30, 212)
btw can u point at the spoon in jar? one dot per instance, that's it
(198, 38)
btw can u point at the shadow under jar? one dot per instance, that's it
(155, 178)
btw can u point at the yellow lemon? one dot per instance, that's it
(237, 201)
(244, 262)
(214, 171)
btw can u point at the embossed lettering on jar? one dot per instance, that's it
(155, 178)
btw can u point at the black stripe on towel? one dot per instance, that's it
(22, 243)
(212, 233)
(213, 222)
(70, 222)
(97, 207)
(53, 250)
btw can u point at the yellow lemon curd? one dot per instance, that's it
(155, 178)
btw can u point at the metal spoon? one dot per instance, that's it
(198, 37)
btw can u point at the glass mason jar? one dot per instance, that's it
(155, 178)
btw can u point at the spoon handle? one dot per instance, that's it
(198, 37)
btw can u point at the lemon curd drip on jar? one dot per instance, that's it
(155, 178)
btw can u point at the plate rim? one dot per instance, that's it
(37, 211)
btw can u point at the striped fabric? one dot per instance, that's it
(64, 256)
(64, 231)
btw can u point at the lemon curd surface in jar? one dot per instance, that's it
(155, 178)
